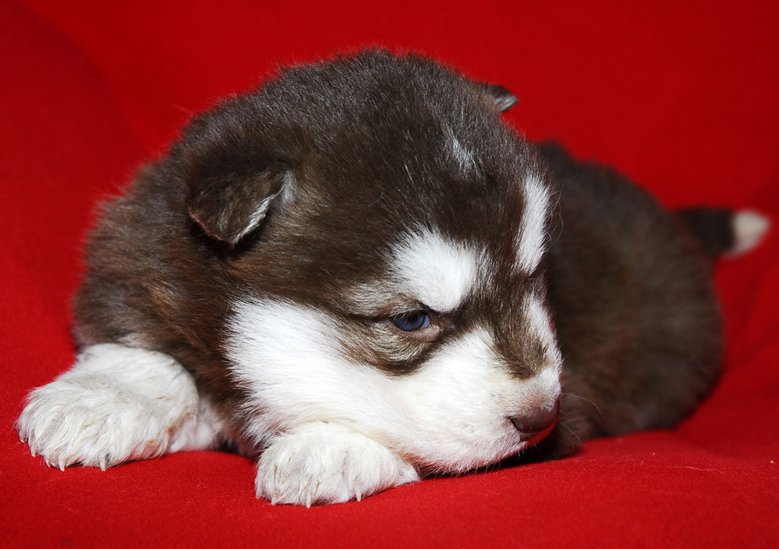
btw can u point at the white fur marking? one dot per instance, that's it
(436, 271)
(749, 228)
(462, 155)
(541, 327)
(116, 404)
(449, 415)
(531, 240)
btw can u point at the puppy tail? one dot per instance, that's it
(725, 232)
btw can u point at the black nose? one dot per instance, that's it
(533, 424)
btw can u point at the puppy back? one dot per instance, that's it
(634, 305)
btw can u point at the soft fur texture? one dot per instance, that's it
(257, 284)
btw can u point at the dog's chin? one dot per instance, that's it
(510, 450)
(516, 453)
(516, 450)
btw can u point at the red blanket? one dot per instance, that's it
(683, 97)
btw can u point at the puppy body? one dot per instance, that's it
(635, 310)
(359, 275)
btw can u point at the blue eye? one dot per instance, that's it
(412, 322)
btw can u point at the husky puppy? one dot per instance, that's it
(358, 275)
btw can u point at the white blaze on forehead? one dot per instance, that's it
(461, 154)
(435, 270)
(531, 238)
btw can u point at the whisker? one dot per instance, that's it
(585, 400)
(561, 422)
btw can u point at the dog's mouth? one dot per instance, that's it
(539, 436)
(534, 427)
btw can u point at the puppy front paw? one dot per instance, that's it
(115, 405)
(97, 426)
(327, 463)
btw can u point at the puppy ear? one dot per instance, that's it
(236, 164)
(502, 97)
(229, 206)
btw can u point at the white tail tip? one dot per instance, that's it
(749, 228)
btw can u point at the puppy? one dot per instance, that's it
(359, 276)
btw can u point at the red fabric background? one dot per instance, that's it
(682, 96)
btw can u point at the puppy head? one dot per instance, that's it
(389, 236)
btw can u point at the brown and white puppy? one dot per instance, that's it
(359, 275)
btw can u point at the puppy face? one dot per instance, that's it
(387, 237)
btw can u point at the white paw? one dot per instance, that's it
(327, 463)
(116, 404)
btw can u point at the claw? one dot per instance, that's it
(103, 464)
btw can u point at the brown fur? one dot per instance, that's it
(635, 310)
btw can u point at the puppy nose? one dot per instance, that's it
(538, 422)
